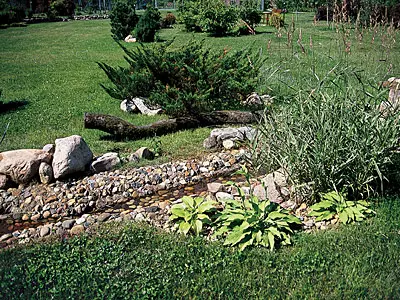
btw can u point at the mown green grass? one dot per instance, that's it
(53, 67)
(360, 261)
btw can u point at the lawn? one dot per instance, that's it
(360, 261)
(53, 67)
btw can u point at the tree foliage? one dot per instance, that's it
(123, 19)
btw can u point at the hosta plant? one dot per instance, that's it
(254, 222)
(334, 204)
(192, 214)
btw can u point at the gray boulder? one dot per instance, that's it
(105, 162)
(276, 186)
(22, 165)
(128, 106)
(72, 155)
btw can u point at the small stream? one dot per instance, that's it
(9, 225)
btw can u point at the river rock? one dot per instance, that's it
(45, 230)
(221, 196)
(67, 224)
(22, 165)
(103, 217)
(72, 155)
(215, 187)
(45, 173)
(77, 229)
(5, 182)
(144, 153)
(105, 162)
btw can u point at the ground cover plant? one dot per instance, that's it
(357, 261)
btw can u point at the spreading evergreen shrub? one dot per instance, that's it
(123, 19)
(187, 80)
(148, 25)
(61, 8)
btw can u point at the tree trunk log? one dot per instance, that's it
(121, 129)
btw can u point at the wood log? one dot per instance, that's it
(122, 129)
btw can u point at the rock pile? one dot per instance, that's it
(229, 138)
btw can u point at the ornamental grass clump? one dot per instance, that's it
(333, 137)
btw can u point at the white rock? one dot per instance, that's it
(128, 106)
(144, 153)
(105, 162)
(221, 196)
(72, 155)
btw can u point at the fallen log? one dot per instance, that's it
(122, 129)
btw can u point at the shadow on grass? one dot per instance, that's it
(11, 106)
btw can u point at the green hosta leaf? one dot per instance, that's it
(327, 215)
(363, 202)
(204, 218)
(271, 239)
(244, 225)
(293, 219)
(198, 226)
(188, 201)
(343, 217)
(178, 212)
(276, 215)
(274, 231)
(316, 213)
(206, 207)
(184, 227)
(333, 196)
(258, 236)
(286, 239)
(235, 237)
(198, 201)
(236, 217)
(249, 242)
(222, 230)
(321, 205)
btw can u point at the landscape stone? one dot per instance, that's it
(219, 135)
(105, 162)
(221, 196)
(228, 144)
(67, 224)
(45, 230)
(260, 192)
(145, 153)
(49, 148)
(103, 217)
(77, 229)
(45, 173)
(72, 155)
(5, 182)
(215, 187)
(22, 165)
(274, 183)
(128, 106)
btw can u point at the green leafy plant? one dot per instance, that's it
(192, 214)
(123, 19)
(188, 80)
(254, 222)
(217, 18)
(334, 204)
(148, 25)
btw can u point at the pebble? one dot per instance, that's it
(77, 229)
(68, 224)
(45, 230)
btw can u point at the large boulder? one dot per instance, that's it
(105, 162)
(276, 187)
(71, 155)
(22, 165)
